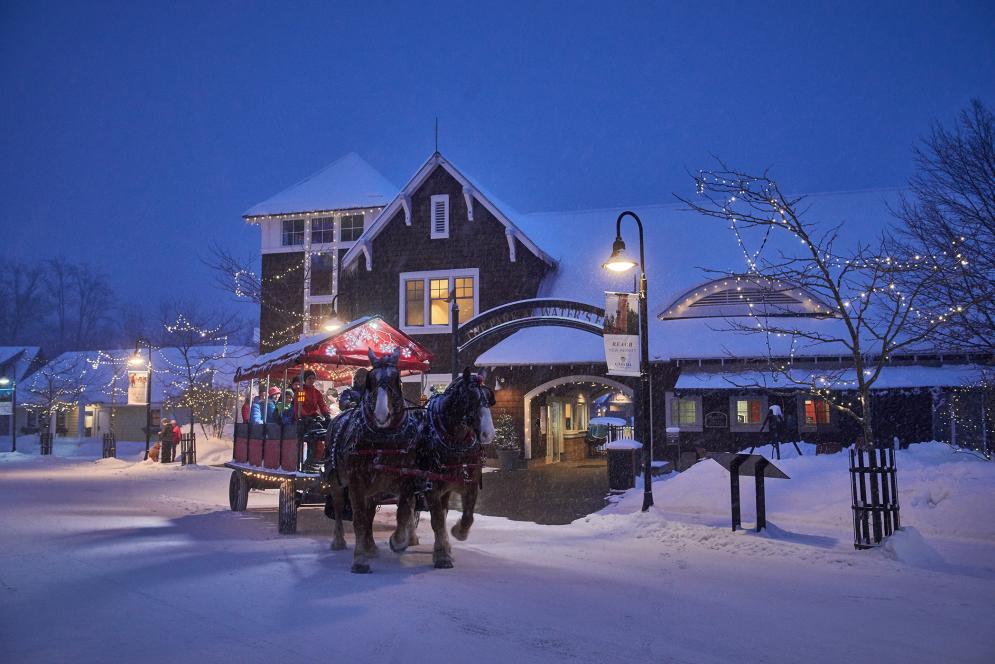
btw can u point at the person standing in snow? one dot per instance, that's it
(774, 423)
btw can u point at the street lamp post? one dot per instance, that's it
(4, 382)
(334, 323)
(136, 360)
(620, 262)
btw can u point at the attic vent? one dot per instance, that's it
(744, 296)
(440, 216)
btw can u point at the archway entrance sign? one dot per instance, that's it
(512, 316)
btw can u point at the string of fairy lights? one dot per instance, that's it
(832, 386)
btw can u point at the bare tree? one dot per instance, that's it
(201, 340)
(23, 305)
(57, 387)
(856, 285)
(278, 295)
(949, 220)
(82, 303)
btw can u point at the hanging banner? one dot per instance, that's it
(622, 333)
(137, 386)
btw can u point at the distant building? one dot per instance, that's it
(443, 234)
(16, 364)
(86, 392)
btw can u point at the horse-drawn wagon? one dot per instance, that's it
(289, 456)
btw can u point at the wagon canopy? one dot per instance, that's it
(336, 355)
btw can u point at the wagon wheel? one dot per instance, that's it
(288, 508)
(238, 491)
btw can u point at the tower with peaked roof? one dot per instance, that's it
(305, 231)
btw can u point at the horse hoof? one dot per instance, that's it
(338, 546)
(360, 568)
(396, 549)
(414, 541)
(443, 564)
(459, 534)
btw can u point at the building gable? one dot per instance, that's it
(463, 195)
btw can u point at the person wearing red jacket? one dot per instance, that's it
(176, 432)
(313, 403)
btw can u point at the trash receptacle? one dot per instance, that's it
(623, 463)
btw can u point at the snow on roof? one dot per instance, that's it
(16, 361)
(891, 377)
(683, 248)
(680, 339)
(102, 374)
(347, 183)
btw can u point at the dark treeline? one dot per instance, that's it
(63, 305)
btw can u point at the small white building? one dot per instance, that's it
(87, 392)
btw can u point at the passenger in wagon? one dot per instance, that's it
(256, 416)
(313, 404)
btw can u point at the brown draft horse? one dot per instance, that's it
(457, 423)
(366, 444)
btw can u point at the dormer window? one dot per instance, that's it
(440, 216)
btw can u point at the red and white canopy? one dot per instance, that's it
(334, 356)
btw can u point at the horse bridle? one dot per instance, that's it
(393, 390)
(476, 394)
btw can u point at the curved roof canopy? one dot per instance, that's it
(333, 355)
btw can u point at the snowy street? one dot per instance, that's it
(106, 560)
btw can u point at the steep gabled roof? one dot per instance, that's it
(503, 213)
(345, 184)
(16, 362)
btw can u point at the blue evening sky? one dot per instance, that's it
(135, 133)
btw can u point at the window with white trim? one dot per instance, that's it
(351, 226)
(747, 413)
(323, 230)
(424, 299)
(439, 212)
(684, 412)
(293, 232)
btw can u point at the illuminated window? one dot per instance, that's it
(414, 302)
(425, 298)
(749, 411)
(438, 294)
(816, 412)
(684, 412)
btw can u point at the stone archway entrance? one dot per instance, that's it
(569, 402)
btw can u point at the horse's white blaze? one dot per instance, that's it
(381, 412)
(486, 425)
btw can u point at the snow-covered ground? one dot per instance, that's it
(119, 560)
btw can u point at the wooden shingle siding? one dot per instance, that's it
(480, 243)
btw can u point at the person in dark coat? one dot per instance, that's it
(774, 423)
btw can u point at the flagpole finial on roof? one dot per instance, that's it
(437, 134)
